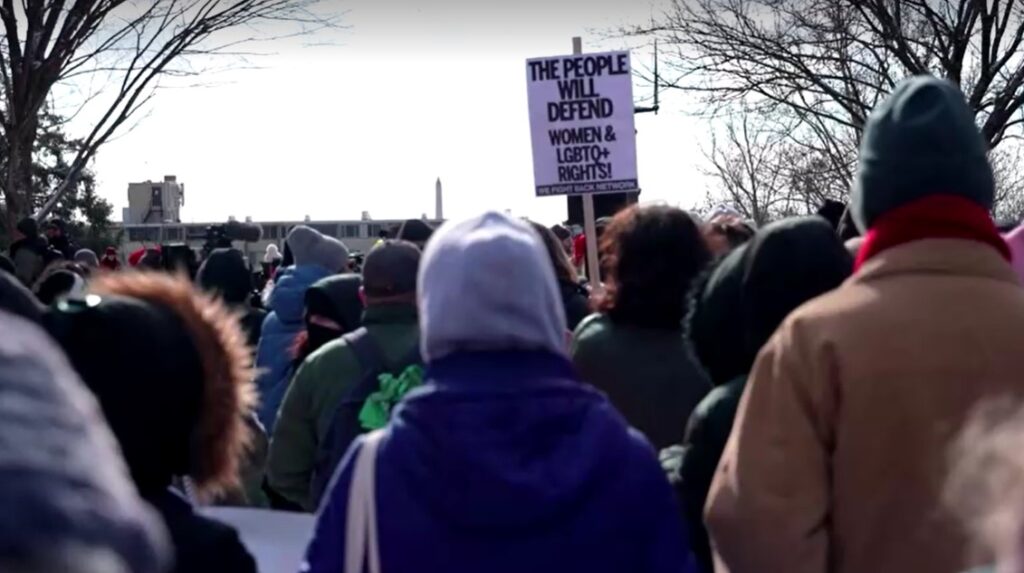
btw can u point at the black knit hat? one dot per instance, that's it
(921, 141)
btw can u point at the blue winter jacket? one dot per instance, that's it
(287, 305)
(504, 462)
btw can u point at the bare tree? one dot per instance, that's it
(827, 63)
(749, 168)
(763, 174)
(1007, 162)
(126, 46)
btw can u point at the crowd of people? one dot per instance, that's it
(831, 393)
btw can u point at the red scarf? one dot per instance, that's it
(933, 217)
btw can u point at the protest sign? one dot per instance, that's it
(581, 122)
(277, 540)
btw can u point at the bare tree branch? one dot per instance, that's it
(131, 46)
(824, 64)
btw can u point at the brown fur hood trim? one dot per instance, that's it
(221, 437)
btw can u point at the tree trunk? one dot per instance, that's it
(18, 179)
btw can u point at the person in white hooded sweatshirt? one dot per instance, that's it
(503, 461)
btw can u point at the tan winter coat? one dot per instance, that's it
(838, 456)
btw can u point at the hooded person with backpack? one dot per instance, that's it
(336, 380)
(334, 307)
(315, 257)
(504, 461)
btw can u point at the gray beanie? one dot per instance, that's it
(487, 284)
(87, 258)
(310, 247)
(921, 141)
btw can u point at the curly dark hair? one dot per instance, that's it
(651, 255)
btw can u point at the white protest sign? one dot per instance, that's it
(581, 123)
(277, 540)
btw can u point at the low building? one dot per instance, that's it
(358, 236)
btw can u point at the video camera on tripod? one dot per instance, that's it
(179, 256)
(222, 236)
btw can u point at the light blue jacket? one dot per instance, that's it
(287, 304)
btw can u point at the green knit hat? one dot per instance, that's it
(921, 141)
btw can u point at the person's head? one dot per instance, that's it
(416, 232)
(382, 234)
(55, 228)
(832, 211)
(68, 501)
(487, 284)
(651, 255)
(225, 274)
(334, 308)
(272, 254)
(389, 273)
(740, 303)
(151, 260)
(564, 236)
(28, 227)
(110, 252)
(309, 247)
(87, 258)
(921, 141)
(724, 233)
(564, 270)
(172, 372)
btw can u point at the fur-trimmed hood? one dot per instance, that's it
(170, 367)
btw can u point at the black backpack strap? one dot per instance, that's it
(370, 359)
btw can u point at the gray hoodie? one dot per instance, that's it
(486, 283)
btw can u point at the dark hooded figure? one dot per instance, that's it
(57, 233)
(225, 274)
(68, 502)
(30, 253)
(734, 311)
(173, 376)
(333, 308)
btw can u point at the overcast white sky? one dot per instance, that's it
(411, 91)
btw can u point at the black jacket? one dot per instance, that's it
(201, 544)
(225, 273)
(575, 299)
(734, 311)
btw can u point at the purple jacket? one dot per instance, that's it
(505, 462)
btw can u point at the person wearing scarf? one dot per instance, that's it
(839, 453)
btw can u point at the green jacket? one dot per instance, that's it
(650, 375)
(313, 396)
